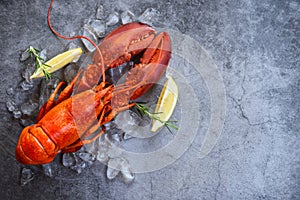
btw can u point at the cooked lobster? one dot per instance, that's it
(66, 123)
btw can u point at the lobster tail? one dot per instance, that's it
(35, 147)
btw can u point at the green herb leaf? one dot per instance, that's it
(154, 116)
(39, 62)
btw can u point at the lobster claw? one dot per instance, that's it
(140, 79)
(117, 47)
(152, 66)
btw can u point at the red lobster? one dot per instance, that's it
(67, 123)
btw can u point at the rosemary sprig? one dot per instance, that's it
(39, 62)
(154, 116)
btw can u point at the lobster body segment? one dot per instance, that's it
(62, 127)
(67, 123)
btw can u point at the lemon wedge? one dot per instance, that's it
(166, 103)
(58, 62)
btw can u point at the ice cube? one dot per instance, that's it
(149, 16)
(128, 121)
(126, 172)
(17, 114)
(26, 176)
(71, 45)
(102, 153)
(92, 148)
(87, 157)
(89, 34)
(113, 167)
(127, 17)
(48, 169)
(28, 108)
(27, 121)
(100, 12)
(112, 19)
(25, 85)
(24, 55)
(46, 89)
(98, 27)
(70, 71)
(116, 138)
(27, 72)
(11, 106)
(127, 136)
(110, 125)
(43, 54)
(79, 166)
(68, 159)
(10, 91)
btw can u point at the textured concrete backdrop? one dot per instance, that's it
(255, 45)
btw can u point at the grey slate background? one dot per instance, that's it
(255, 45)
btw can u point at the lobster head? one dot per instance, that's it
(35, 147)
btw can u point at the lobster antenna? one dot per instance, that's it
(76, 37)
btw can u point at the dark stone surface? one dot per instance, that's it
(255, 45)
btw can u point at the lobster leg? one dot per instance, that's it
(115, 111)
(50, 103)
(82, 141)
(66, 93)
